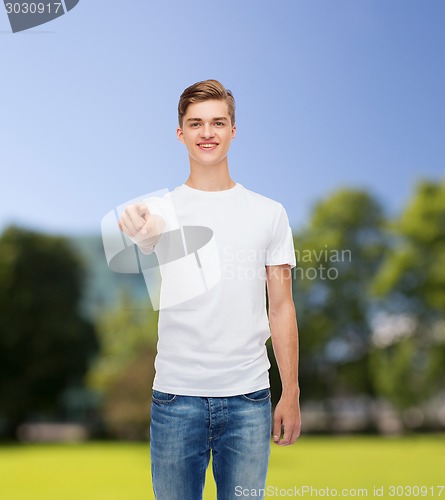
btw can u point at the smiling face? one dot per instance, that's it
(207, 132)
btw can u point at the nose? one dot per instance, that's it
(206, 131)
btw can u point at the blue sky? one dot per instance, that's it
(329, 93)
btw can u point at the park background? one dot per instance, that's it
(340, 117)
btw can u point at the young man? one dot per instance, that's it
(211, 389)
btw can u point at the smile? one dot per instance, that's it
(207, 146)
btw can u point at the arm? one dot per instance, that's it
(284, 333)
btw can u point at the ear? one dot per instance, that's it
(180, 134)
(233, 132)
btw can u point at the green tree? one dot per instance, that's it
(405, 372)
(45, 344)
(409, 368)
(124, 370)
(338, 253)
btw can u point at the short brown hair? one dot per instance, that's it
(205, 91)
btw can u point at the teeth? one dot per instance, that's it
(207, 146)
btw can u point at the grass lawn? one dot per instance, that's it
(121, 471)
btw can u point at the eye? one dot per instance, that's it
(194, 125)
(219, 124)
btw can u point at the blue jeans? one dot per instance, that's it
(183, 430)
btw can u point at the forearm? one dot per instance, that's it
(284, 333)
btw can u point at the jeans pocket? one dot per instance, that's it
(163, 397)
(257, 396)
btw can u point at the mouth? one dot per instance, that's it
(207, 146)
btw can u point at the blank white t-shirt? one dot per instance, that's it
(213, 344)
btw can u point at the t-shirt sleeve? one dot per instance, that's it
(281, 247)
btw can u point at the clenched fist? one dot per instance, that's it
(141, 226)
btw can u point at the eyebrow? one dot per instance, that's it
(217, 119)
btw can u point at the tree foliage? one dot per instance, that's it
(337, 255)
(123, 371)
(411, 282)
(414, 268)
(45, 344)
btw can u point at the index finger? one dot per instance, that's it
(136, 216)
(142, 210)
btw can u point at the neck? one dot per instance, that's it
(210, 177)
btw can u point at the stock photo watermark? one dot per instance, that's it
(310, 264)
(374, 491)
(24, 15)
(320, 264)
(188, 261)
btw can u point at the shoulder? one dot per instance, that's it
(262, 200)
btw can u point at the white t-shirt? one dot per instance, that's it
(213, 343)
